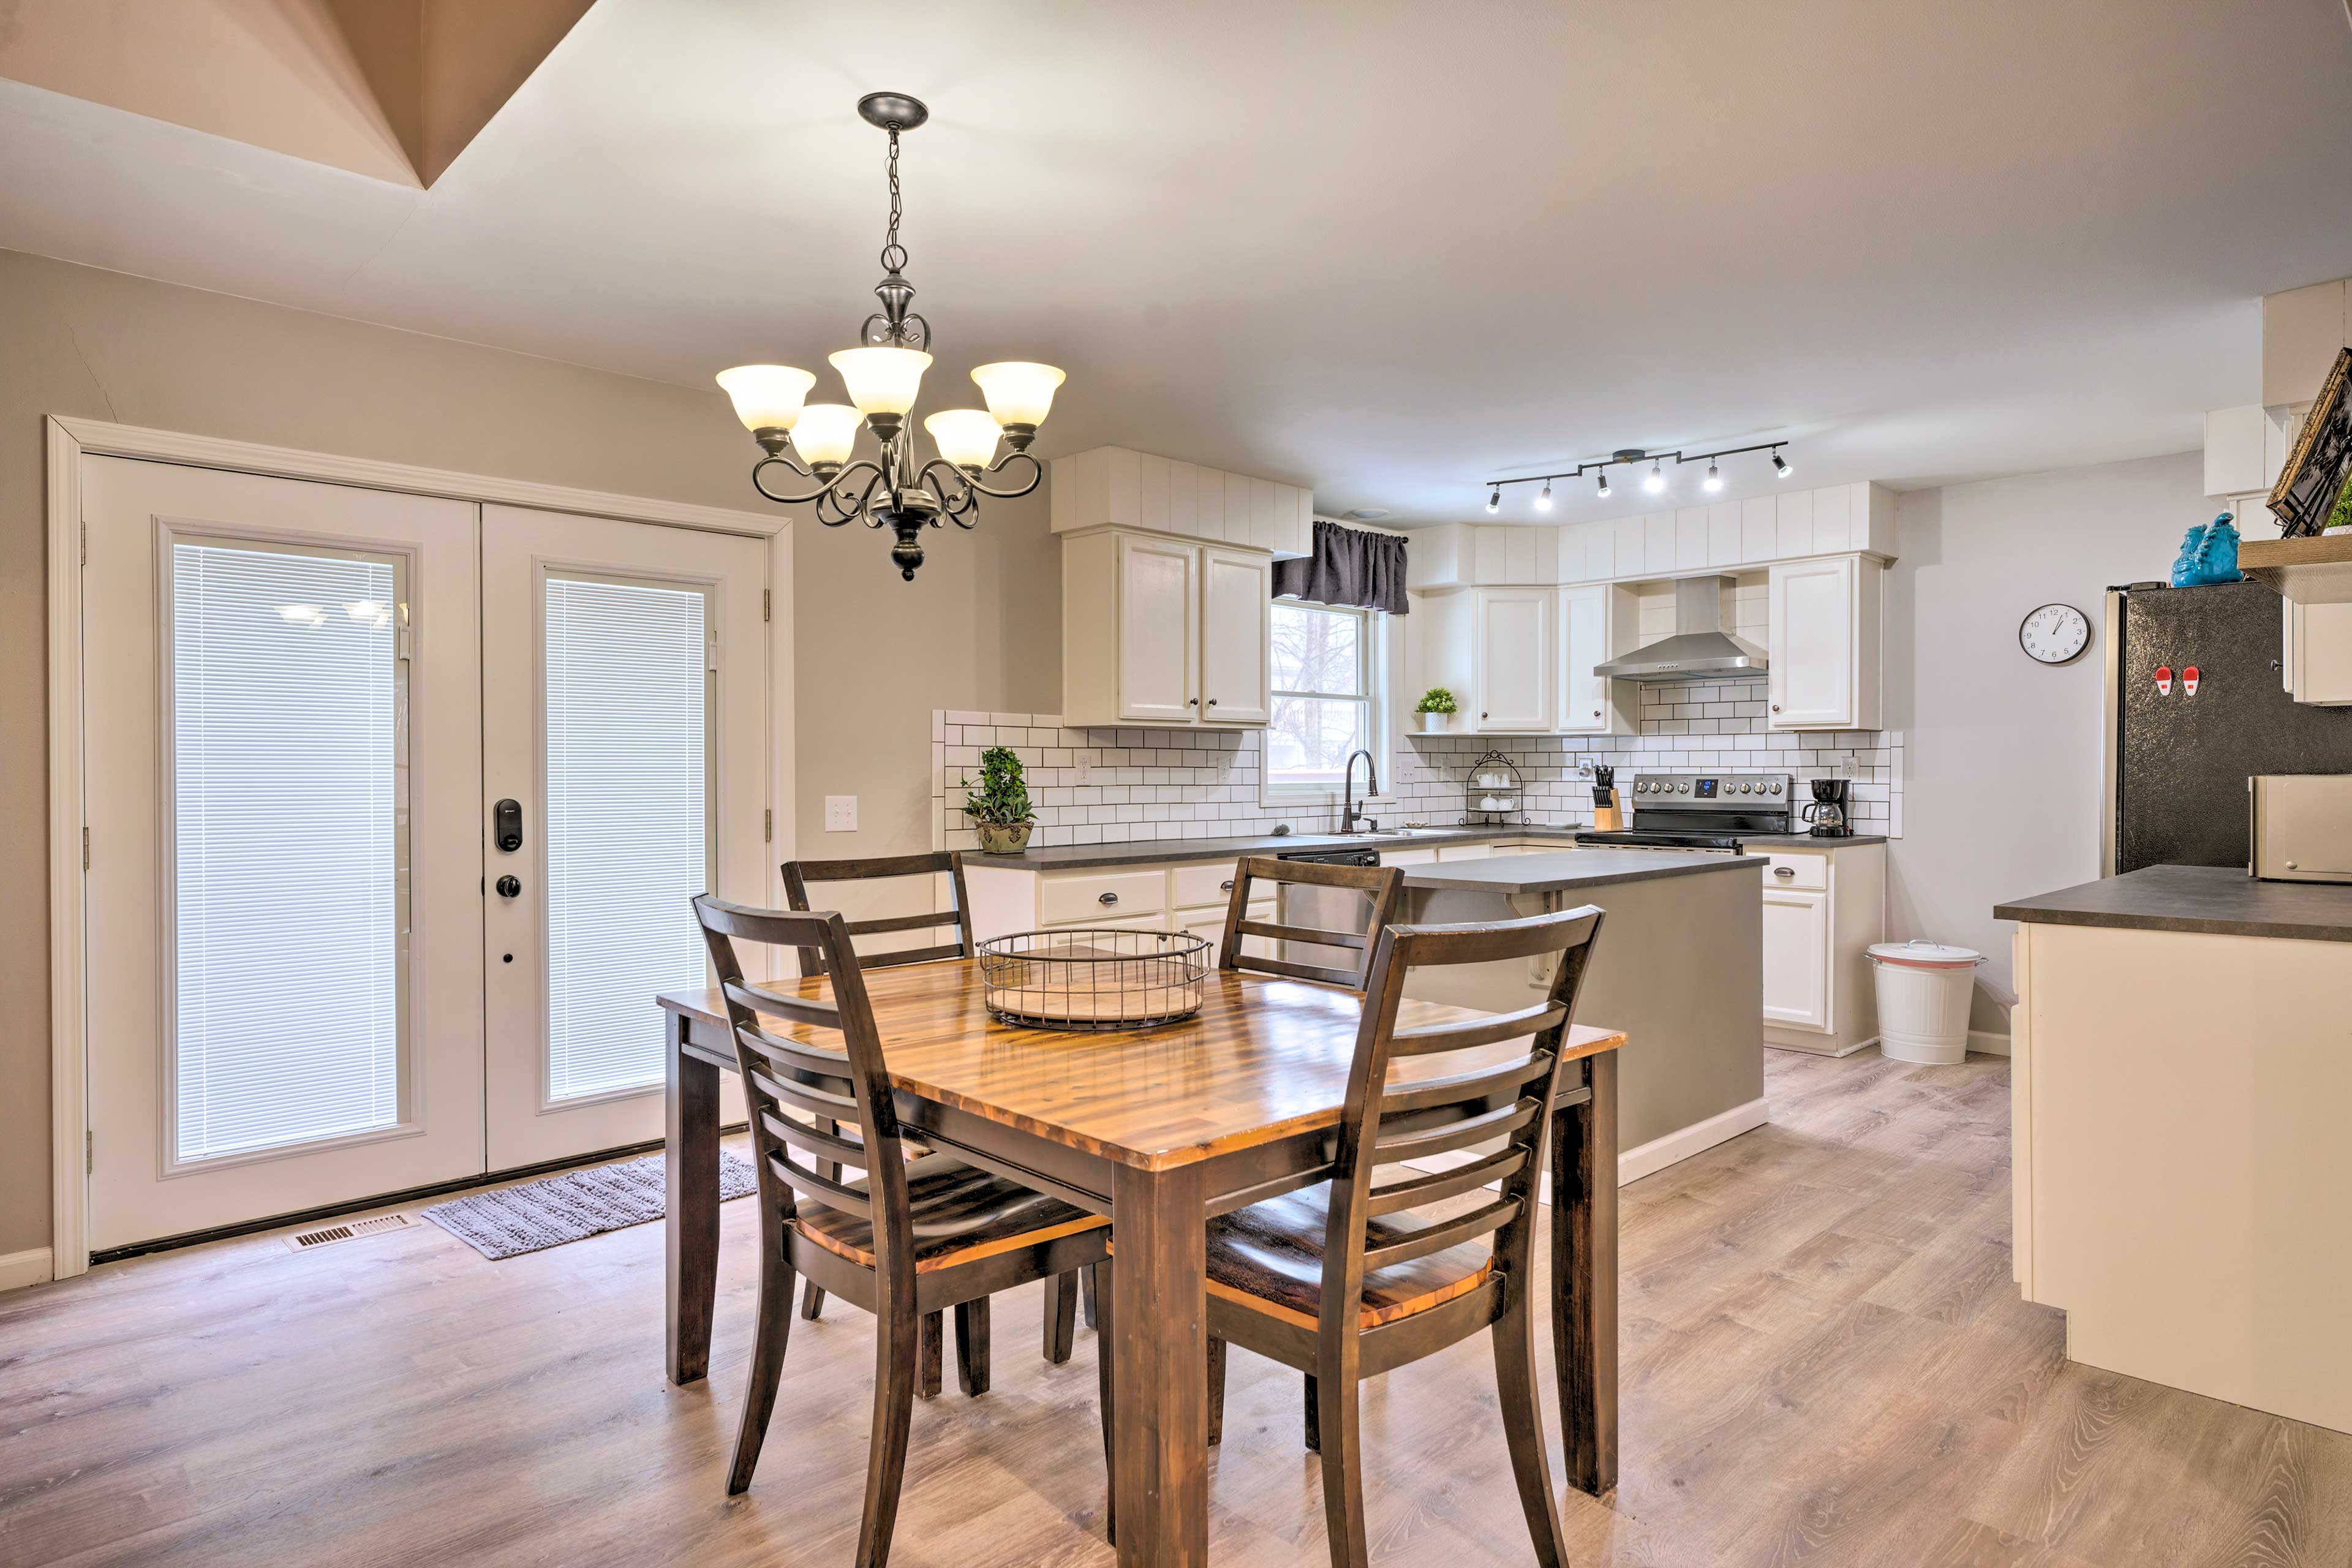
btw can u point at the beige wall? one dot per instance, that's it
(977, 628)
(2002, 800)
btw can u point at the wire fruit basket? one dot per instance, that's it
(1094, 979)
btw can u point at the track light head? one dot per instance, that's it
(1543, 501)
(1713, 480)
(1655, 481)
(1495, 501)
(1604, 484)
(1780, 468)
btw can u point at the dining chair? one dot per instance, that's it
(1382, 884)
(1343, 1281)
(971, 1330)
(912, 1238)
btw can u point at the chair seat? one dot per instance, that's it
(960, 1214)
(1269, 1256)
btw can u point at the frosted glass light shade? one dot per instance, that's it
(882, 381)
(966, 437)
(826, 433)
(1018, 392)
(767, 396)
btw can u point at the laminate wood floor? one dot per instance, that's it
(1826, 1362)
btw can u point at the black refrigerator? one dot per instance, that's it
(2178, 761)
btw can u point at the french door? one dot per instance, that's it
(310, 981)
(624, 716)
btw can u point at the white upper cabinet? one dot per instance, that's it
(1236, 627)
(1156, 631)
(1512, 668)
(1158, 595)
(1824, 644)
(1594, 623)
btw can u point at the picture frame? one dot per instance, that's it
(2316, 470)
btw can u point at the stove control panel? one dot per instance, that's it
(1715, 792)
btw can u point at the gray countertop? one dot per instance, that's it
(1156, 851)
(1570, 870)
(2219, 900)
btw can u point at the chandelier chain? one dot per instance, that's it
(894, 255)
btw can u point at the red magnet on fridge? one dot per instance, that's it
(2189, 680)
(2164, 680)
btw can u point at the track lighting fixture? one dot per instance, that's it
(1653, 482)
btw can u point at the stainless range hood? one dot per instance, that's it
(1700, 648)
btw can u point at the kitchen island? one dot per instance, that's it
(2181, 1088)
(1679, 966)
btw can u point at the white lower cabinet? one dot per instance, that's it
(1797, 958)
(1822, 908)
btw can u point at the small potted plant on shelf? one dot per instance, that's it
(1435, 709)
(999, 805)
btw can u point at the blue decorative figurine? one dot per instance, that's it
(2185, 565)
(2217, 560)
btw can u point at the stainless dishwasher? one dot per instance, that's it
(1326, 908)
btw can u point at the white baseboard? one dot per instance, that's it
(1655, 1155)
(31, 1267)
(1988, 1043)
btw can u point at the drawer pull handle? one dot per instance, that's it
(1784, 871)
(1108, 898)
(1226, 886)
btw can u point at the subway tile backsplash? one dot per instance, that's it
(1118, 784)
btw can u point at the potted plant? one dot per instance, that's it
(999, 805)
(1435, 709)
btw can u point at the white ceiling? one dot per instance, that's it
(1386, 249)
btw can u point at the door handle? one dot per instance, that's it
(509, 888)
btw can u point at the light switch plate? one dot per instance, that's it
(841, 814)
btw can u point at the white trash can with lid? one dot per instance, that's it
(1923, 999)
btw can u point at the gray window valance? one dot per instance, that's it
(1351, 566)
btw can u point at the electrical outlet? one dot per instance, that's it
(841, 814)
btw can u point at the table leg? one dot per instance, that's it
(1159, 1345)
(1584, 1277)
(691, 1177)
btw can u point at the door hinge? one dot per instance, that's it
(85, 847)
(768, 829)
(766, 598)
(88, 1153)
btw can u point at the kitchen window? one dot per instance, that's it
(1324, 703)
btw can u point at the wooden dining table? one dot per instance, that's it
(1159, 1129)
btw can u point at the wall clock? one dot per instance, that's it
(2055, 634)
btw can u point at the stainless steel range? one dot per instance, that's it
(1703, 812)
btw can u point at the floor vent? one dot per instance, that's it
(349, 1230)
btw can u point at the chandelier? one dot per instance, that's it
(889, 490)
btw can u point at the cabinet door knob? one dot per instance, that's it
(1485, 715)
(1596, 712)
(1108, 898)
(1191, 702)
(1213, 703)
(1776, 708)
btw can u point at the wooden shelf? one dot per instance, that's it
(2308, 570)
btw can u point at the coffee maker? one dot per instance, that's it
(1828, 810)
